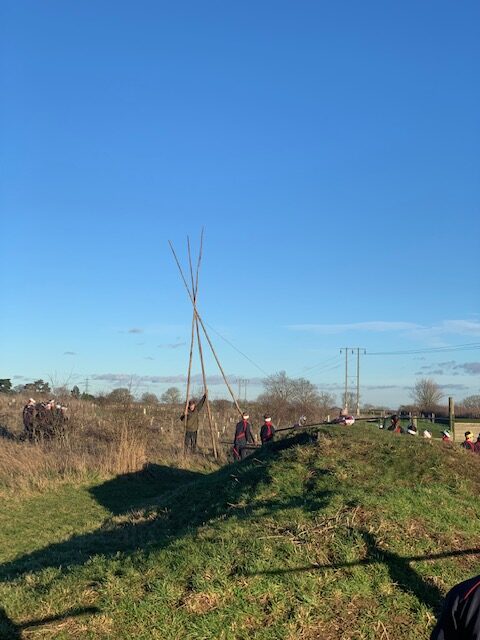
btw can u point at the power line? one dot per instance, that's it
(237, 350)
(471, 346)
(322, 364)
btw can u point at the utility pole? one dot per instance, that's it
(358, 379)
(242, 382)
(345, 403)
(358, 350)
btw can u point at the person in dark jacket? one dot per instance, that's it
(468, 443)
(243, 435)
(460, 616)
(191, 423)
(29, 418)
(476, 448)
(267, 430)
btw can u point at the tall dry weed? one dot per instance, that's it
(101, 440)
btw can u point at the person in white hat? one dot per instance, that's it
(267, 431)
(243, 435)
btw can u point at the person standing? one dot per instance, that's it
(267, 431)
(29, 418)
(468, 442)
(476, 448)
(191, 422)
(243, 435)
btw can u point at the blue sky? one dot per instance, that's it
(330, 150)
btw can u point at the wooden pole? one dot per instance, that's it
(451, 417)
(200, 350)
(204, 330)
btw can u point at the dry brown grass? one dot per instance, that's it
(101, 440)
(107, 439)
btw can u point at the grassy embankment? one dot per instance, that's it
(357, 536)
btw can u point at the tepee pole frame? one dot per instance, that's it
(199, 319)
(200, 349)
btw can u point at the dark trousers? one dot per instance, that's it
(191, 440)
(240, 450)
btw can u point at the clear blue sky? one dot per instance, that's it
(330, 150)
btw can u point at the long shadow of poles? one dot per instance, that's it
(175, 511)
(11, 631)
(228, 493)
(401, 573)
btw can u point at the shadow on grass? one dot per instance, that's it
(11, 631)
(135, 490)
(161, 504)
(401, 573)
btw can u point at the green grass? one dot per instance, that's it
(356, 536)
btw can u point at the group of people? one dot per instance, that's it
(243, 440)
(469, 443)
(43, 419)
(396, 426)
(244, 437)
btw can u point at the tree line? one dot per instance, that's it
(283, 396)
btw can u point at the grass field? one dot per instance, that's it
(358, 535)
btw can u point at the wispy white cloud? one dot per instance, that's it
(462, 327)
(125, 379)
(450, 367)
(173, 345)
(411, 329)
(373, 326)
(472, 368)
(69, 353)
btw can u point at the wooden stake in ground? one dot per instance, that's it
(200, 350)
(189, 373)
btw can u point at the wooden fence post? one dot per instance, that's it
(451, 417)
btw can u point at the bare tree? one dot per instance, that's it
(287, 398)
(149, 398)
(279, 387)
(278, 391)
(472, 404)
(426, 394)
(121, 395)
(326, 402)
(171, 396)
(305, 396)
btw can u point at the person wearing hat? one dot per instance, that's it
(460, 616)
(468, 442)
(302, 421)
(191, 422)
(267, 430)
(243, 435)
(446, 436)
(28, 417)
